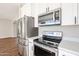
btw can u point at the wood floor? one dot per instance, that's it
(8, 47)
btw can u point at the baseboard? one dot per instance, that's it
(9, 38)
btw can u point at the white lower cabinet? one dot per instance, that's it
(25, 49)
(30, 48)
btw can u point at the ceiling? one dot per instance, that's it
(9, 11)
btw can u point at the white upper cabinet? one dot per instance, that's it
(78, 12)
(35, 12)
(46, 7)
(25, 10)
(41, 8)
(69, 13)
(75, 13)
(53, 6)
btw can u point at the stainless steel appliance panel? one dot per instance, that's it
(19, 28)
(43, 50)
(28, 26)
(24, 30)
(25, 26)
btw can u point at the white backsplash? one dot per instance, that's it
(70, 33)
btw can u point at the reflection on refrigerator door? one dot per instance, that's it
(25, 26)
(19, 29)
(21, 41)
(23, 47)
(20, 49)
(23, 31)
(20, 46)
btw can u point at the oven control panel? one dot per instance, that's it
(51, 33)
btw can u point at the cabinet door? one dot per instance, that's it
(31, 49)
(75, 13)
(35, 13)
(41, 8)
(53, 6)
(78, 12)
(68, 13)
(26, 10)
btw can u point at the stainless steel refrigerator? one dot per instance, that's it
(25, 27)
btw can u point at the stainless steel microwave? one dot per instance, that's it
(50, 18)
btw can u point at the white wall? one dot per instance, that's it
(6, 28)
(14, 31)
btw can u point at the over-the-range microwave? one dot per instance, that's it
(50, 18)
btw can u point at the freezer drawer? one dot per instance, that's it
(20, 49)
(23, 50)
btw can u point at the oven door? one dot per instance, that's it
(39, 51)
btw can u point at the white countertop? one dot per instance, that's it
(70, 45)
(32, 38)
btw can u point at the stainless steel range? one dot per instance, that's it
(48, 44)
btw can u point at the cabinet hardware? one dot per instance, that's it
(47, 9)
(75, 20)
(63, 55)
